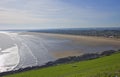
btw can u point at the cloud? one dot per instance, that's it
(37, 11)
(49, 12)
(14, 17)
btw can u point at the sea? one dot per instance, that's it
(27, 49)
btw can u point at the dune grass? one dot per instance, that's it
(108, 66)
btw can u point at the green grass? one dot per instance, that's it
(108, 66)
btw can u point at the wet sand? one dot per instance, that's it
(33, 48)
(74, 45)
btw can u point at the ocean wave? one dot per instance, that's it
(9, 59)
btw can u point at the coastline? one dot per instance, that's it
(76, 45)
(76, 41)
(75, 36)
(11, 50)
(66, 60)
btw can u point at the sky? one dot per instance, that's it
(45, 14)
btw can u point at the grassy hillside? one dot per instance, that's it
(108, 66)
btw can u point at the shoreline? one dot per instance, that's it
(73, 35)
(75, 40)
(72, 41)
(71, 59)
(14, 49)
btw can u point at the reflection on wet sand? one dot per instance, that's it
(62, 45)
(34, 48)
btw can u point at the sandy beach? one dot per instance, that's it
(34, 48)
(75, 45)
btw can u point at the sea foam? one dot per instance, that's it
(9, 59)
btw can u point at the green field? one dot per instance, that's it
(108, 66)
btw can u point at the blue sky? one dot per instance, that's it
(44, 14)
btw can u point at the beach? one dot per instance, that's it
(34, 48)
